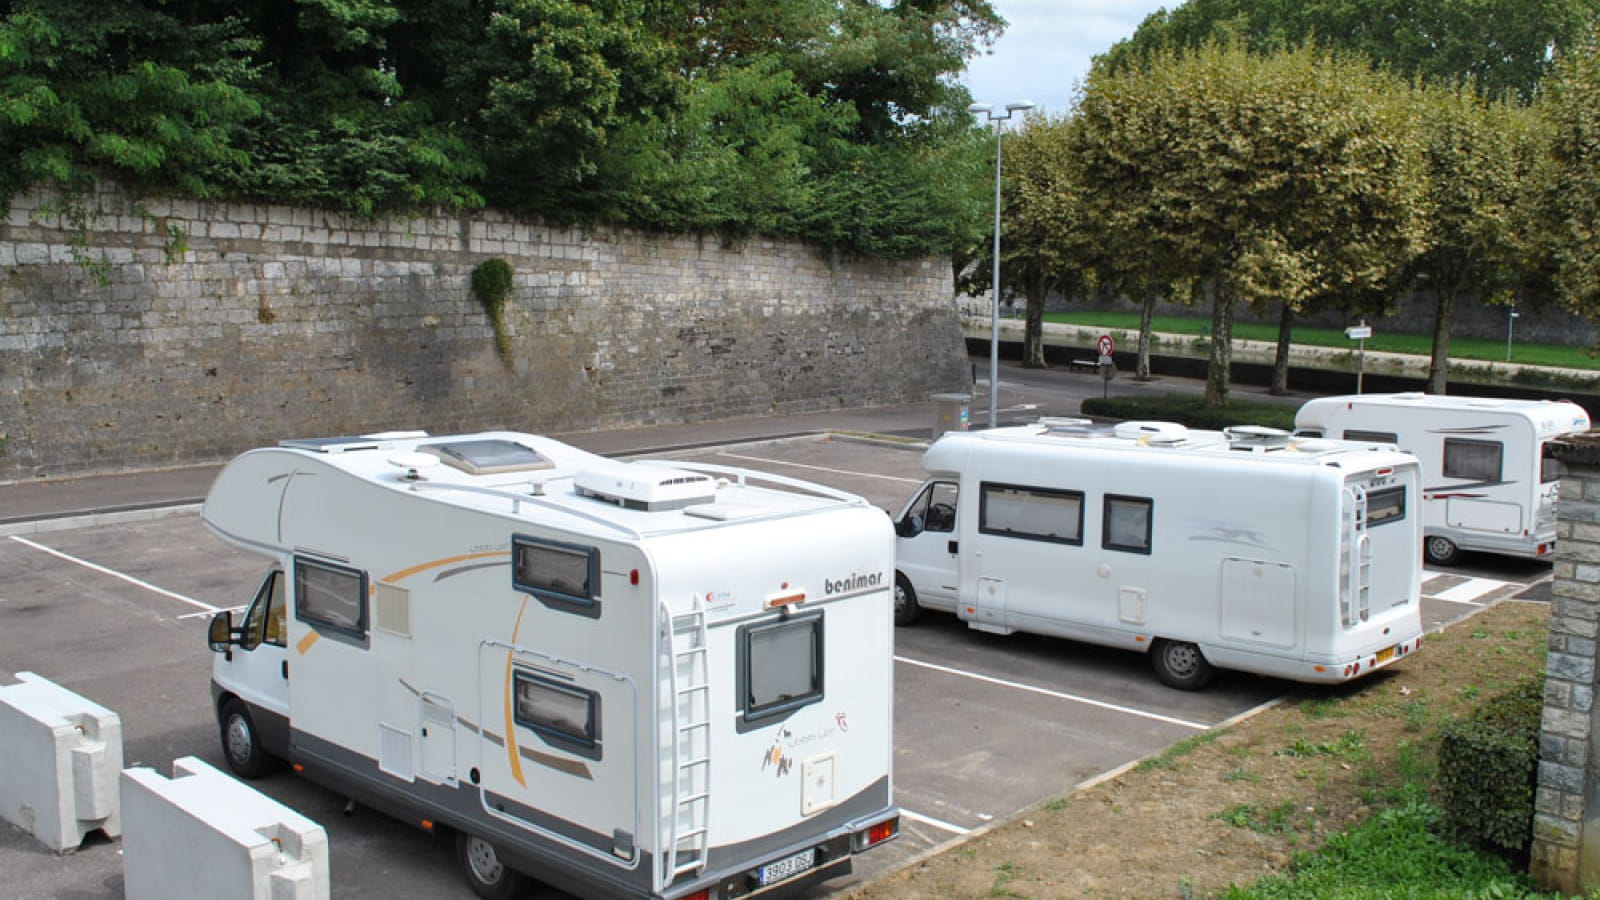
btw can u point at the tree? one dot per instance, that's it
(1476, 171)
(1284, 177)
(1571, 208)
(1048, 246)
(1504, 47)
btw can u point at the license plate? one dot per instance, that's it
(788, 867)
(1385, 655)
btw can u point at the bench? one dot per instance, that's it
(1087, 365)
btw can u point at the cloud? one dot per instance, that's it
(1047, 47)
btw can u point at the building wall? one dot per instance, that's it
(149, 332)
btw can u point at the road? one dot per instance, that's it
(986, 726)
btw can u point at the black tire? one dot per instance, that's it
(1441, 551)
(488, 877)
(906, 609)
(241, 745)
(1180, 664)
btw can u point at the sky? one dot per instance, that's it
(1047, 46)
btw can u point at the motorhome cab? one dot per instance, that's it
(1485, 482)
(1241, 549)
(631, 680)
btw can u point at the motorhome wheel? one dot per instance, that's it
(906, 609)
(488, 876)
(1441, 551)
(240, 744)
(1180, 664)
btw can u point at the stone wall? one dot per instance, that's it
(1566, 822)
(148, 332)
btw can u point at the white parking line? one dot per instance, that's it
(1049, 693)
(929, 820)
(115, 574)
(1469, 591)
(779, 462)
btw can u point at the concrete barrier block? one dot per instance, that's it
(204, 834)
(59, 759)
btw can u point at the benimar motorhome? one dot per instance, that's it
(1485, 483)
(1240, 550)
(631, 680)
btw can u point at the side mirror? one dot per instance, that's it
(221, 635)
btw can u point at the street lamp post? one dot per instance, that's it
(996, 117)
(1511, 322)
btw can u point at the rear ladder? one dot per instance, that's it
(691, 747)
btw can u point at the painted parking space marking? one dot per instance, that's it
(795, 465)
(1470, 591)
(936, 823)
(115, 574)
(1035, 689)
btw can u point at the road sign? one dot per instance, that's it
(1105, 344)
(1358, 332)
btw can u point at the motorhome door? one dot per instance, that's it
(258, 669)
(927, 549)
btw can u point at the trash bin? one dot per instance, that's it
(950, 413)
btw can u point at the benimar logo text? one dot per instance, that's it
(860, 581)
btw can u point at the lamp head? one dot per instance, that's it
(1020, 105)
(980, 109)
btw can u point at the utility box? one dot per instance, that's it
(59, 759)
(204, 834)
(951, 412)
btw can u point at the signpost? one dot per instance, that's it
(1107, 366)
(1360, 333)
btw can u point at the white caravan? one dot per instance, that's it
(1241, 549)
(631, 680)
(1485, 482)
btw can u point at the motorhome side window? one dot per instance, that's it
(1127, 524)
(1040, 514)
(561, 575)
(1549, 468)
(331, 597)
(1472, 460)
(1374, 437)
(265, 623)
(1387, 505)
(563, 715)
(780, 666)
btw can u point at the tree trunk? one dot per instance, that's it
(1142, 371)
(1444, 314)
(1033, 331)
(1221, 345)
(1280, 359)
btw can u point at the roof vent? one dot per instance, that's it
(487, 457)
(1076, 428)
(1152, 432)
(1256, 437)
(644, 486)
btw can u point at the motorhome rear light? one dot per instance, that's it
(427, 825)
(298, 768)
(1384, 472)
(633, 577)
(785, 599)
(1321, 668)
(702, 894)
(881, 832)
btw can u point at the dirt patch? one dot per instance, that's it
(1234, 804)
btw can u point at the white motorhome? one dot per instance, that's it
(630, 680)
(1485, 482)
(1241, 549)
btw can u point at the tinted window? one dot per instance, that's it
(780, 665)
(1041, 514)
(1472, 460)
(330, 596)
(1127, 523)
(562, 714)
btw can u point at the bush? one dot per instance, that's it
(1191, 411)
(491, 284)
(1488, 768)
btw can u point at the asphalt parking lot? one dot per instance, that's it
(986, 726)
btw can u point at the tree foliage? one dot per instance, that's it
(1258, 178)
(1504, 47)
(1569, 215)
(831, 120)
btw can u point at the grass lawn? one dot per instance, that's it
(1420, 344)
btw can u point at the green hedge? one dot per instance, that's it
(1488, 767)
(1191, 411)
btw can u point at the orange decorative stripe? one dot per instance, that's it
(305, 643)
(511, 718)
(423, 567)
